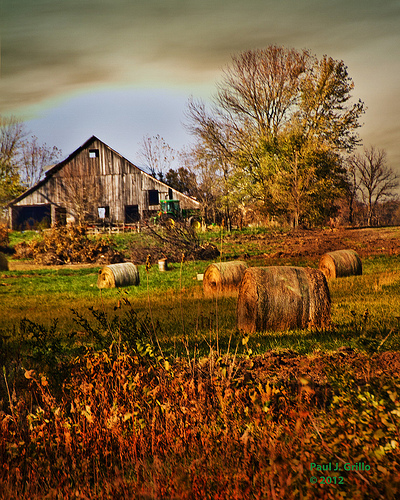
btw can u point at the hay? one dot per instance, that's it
(283, 298)
(340, 263)
(223, 276)
(3, 262)
(117, 275)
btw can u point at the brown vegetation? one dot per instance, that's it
(65, 245)
(127, 428)
(173, 240)
(312, 244)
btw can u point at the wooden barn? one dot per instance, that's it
(97, 184)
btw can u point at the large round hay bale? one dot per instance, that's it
(117, 275)
(340, 263)
(283, 298)
(3, 262)
(223, 276)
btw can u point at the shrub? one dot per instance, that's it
(173, 241)
(68, 244)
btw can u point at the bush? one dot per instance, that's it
(173, 241)
(66, 245)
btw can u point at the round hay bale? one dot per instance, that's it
(223, 276)
(117, 275)
(340, 263)
(283, 298)
(3, 262)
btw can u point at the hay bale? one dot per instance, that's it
(117, 275)
(283, 298)
(223, 276)
(3, 262)
(340, 263)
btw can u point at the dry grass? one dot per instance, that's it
(126, 426)
(125, 421)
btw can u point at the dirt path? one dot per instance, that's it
(296, 244)
(366, 242)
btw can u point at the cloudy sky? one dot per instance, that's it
(123, 69)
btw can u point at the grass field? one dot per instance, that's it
(175, 301)
(151, 392)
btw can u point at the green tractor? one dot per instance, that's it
(170, 212)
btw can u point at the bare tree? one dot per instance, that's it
(12, 133)
(353, 186)
(35, 158)
(261, 86)
(157, 155)
(82, 195)
(377, 181)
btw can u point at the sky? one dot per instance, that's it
(125, 69)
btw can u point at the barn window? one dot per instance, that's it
(104, 212)
(131, 213)
(154, 198)
(93, 153)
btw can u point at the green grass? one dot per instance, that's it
(19, 236)
(174, 308)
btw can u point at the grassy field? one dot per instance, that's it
(151, 392)
(174, 301)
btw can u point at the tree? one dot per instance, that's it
(376, 180)
(34, 158)
(209, 186)
(157, 155)
(183, 180)
(265, 97)
(12, 133)
(82, 195)
(325, 109)
(352, 187)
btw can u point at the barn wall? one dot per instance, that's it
(107, 178)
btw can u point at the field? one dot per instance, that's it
(151, 392)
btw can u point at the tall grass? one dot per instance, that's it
(128, 427)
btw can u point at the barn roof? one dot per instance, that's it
(49, 173)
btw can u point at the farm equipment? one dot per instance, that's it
(170, 212)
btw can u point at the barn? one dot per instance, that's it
(97, 184)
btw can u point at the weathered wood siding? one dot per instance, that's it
(114, 181)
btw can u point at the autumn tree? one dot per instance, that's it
(375, 180)
(183, 180)
(278, 123)
(209, 189)
(157, 155)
